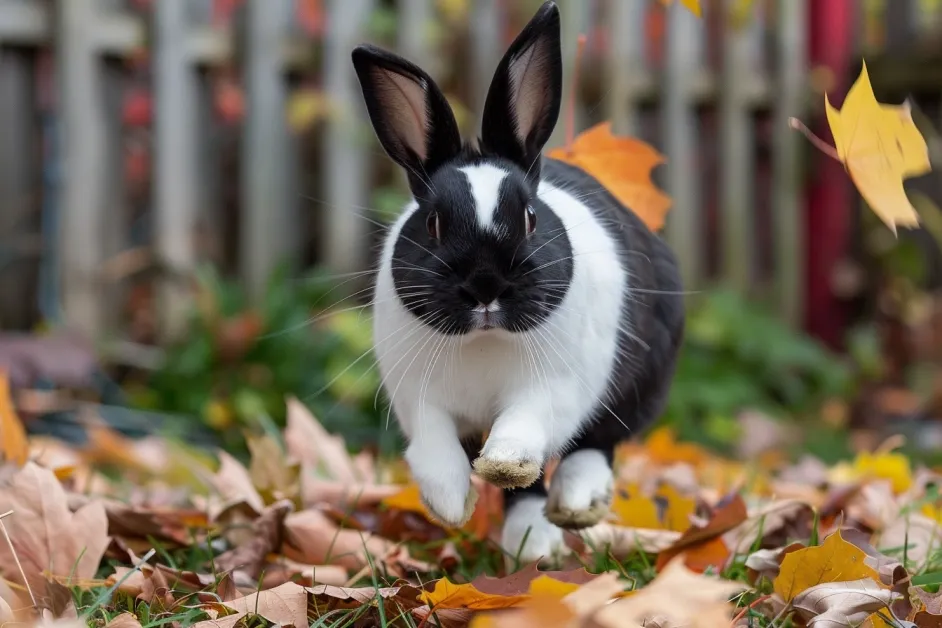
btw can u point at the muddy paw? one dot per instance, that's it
(507, 473)
(577, 518)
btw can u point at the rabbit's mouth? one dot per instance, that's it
(486, 316)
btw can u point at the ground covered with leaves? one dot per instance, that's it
(150, 533)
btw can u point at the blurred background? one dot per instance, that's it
(191, 197)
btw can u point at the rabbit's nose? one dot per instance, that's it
(483, 288)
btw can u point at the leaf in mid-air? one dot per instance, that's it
(691, 5)
(880, 146)
(623, 166)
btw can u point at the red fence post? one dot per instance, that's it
(830, 197)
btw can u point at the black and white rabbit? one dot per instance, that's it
(515, 298)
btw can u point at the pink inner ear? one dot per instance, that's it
(528, 84)
(407, 113)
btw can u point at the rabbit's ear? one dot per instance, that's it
(410, 115)
(523, 102)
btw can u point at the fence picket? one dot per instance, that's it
(787, 205)
(680, 135)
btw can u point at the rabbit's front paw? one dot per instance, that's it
(508, 464)
(446, 506)
(580, 493)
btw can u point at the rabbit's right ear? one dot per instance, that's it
(524, 99)
(410, 115)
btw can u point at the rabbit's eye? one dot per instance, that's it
(433, 224)
(530, 220)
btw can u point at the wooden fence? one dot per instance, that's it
(714, 95)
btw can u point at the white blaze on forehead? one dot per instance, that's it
(485, 180)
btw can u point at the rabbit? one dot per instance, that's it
(515, 298)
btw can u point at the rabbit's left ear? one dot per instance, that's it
(523, 102)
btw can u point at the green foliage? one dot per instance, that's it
(309, 338)
(736, 356)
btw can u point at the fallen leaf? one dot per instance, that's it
(920, 535)
(284, 605)
(124, 620)
(781, 520)
(310, 537)
(272, 475)
(666, 509)
(892, 466)
(880, 146)
(841, 604)
(234, 485)
(835, 560)
(316, 449)
(703, 546)
(47, 536)
(622, 541)
(266, 537)
(14, 446)
(768, 562)
(623, 166)
(484, 593)
(677, 597)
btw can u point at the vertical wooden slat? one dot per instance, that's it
(679, 133)
(415, 19)
(625, 66)
(487, 49)
(266, 228)
(346, 158)
(737, 147)
(176, 180)
(83, 201)
(787, 203)
(19, 223)
(576, 16)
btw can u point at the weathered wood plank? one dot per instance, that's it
(177, 180)
(625, 66)
(787, 204)
(267, 220)
(680, 133)
(347, 157)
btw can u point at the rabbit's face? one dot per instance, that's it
(481, 251)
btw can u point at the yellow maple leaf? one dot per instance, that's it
(880, 146)
(13, 443)
(835, 560)
(666, 509)
(890, 466)
(623, 166)
(691, 5)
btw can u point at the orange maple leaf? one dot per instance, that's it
(623, 166)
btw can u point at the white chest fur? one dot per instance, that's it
(561, 369)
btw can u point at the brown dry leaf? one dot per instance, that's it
(703, 546)
(785, 519)
(623, 166)
(283, 570)
(284, 605)
(677, 597)
(593, 594)
(768, 562)
(124, 620)
(266, 537)
(316, 491)
(622, 542)
(932, 601)
(919, 534)
(45, 534)
(272, 474)
(310, 537)
(835, 560)
(315, 448)
(234, 485)
(841, 604)
(14, 446)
